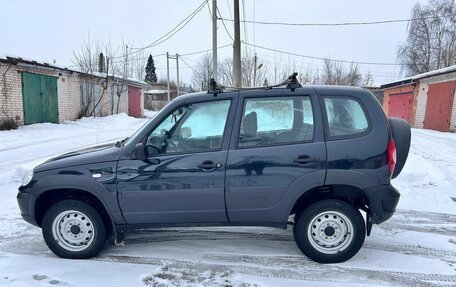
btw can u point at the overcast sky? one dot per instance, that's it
(51, 29)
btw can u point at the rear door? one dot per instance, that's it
(277, 152)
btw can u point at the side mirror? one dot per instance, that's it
(139, 152)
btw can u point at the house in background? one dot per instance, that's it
(157, 96)
(35, 92)
(426, 100)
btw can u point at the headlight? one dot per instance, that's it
(27, 177)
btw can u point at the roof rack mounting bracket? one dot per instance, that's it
(292, 82)
(214, 88)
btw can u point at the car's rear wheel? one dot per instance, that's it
(330, 231)
(74, 229)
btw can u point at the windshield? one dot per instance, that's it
(138, 131)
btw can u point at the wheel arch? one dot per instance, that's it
(50, 197)
(348, 193)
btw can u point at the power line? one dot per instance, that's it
(185, 62)
(136, 59)
(321, 58)
(313, 67)
(229, 8)
(333, 24)
(205, 51)
(245, 26)
(224, 26)
(171, 33)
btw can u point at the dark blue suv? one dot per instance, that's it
(314, 156)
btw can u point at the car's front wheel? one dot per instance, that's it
(330, 231)
(74, 229)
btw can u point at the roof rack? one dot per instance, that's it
(290, 83)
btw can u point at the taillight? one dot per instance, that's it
(391, 156)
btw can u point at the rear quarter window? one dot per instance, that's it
(345, 117)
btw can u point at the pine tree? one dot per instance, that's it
(101, 63)
(151, 77)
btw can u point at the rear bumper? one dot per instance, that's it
(383, 201)
(26, 202)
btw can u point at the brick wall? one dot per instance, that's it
(11, 94)
(422, 98)
(69, 97)
(68, 91)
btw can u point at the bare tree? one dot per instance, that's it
(251, 68)
(368, 80)
(354, 76)
(431, 40)
(202, 72)
(87, 57)
(226, 72)
(336, 73)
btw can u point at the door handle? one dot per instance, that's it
(304, 159)
(208, 165)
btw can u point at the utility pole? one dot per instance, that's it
(254, 69)
(214, 39)
(167, 74)
(126, 62)
(237, 47)
(177, 68)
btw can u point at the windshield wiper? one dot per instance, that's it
(121, 142)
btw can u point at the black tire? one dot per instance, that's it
(340, 216)
(96, 229)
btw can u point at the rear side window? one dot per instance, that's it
(275, 121)
(346, 117)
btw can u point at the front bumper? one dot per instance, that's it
(26, 202)
(383, 201)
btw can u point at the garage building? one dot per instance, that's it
(425, 100)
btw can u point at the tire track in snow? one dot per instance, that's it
(165, 236)
(303, 270)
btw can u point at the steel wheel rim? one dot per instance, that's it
(73, 230)
(330, 232)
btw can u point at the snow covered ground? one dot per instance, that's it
(417, 247)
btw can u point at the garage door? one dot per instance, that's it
(39, 98)
(399, 106)
(134, 101)
(439, 106)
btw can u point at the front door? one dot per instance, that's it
(183, 179)
(278, 153)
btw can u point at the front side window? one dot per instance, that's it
(191, 128)
(274, 121)
(345, 117)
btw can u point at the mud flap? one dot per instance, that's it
(368, 223)
(119, 235)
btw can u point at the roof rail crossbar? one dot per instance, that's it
(290, 83)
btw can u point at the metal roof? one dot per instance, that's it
(30, 63)
(412, 79)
